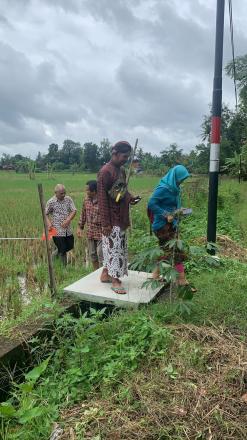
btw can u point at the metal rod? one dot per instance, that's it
(127, 181)
(216, 124)
(240, 168)
(131, 161)
(49, 257)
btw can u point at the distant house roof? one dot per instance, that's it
(7, 167)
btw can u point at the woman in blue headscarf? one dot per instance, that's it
(165, 200)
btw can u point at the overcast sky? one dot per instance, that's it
(89, 69)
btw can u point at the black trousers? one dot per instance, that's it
(64, 244)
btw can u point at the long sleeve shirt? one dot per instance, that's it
(161, 203)
(112, 213)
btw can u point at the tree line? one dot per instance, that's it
(75, 157)
(90, 157)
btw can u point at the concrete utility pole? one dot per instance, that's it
(216, 124)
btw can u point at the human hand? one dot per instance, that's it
(65, 224)
(169, 218)
(79, 232)
(106, 231)
(178, 213)
(49, 226)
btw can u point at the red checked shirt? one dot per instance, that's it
(91, 217)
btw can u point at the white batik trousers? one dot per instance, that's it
(115, 253)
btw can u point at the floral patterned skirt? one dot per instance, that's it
(115, 253)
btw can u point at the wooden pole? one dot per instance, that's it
(48, 250)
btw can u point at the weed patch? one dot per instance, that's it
(194, 392)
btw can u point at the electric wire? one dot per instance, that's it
(233, 52)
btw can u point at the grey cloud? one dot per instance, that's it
(183, 43)
(156, 100)
(72, 5)
(67, 5)
(115, 13)
(15, 6)
(29, 91)
(97, 68)
(4, 21)
(25, 132)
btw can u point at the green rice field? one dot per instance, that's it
(23, 264)
(161, 372)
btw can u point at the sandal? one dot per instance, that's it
(189, 286)
(119, 290)
(106, 281)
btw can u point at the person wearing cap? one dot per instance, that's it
(114, 213)
(60, 211)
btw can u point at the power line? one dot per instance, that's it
(233, 53)
(20, 238)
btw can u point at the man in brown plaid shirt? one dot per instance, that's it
(90, 217)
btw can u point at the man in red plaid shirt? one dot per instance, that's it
(90, 217)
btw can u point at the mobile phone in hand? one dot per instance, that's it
(186, 211)
(136, 200)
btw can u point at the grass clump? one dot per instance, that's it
(194, 392)
(91, 354)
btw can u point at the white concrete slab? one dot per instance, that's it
(91, 289)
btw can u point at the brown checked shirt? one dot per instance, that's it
(91, 217)
(111, 212)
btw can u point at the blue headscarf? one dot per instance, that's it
(173, 178)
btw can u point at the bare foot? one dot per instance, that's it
(156, 274)
(105, 277)
(184, 283)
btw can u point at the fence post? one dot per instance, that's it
(49, 257)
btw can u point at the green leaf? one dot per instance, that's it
(180, 244)
(36, 372)
(213, 261)
(185, 293)
(172, 275)
(26, 387)
(165, 265)
(7, 410)
(171, 243)
(183, 308)
(85, 349)
(212, 246)
(197, 251)
(24, 416)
